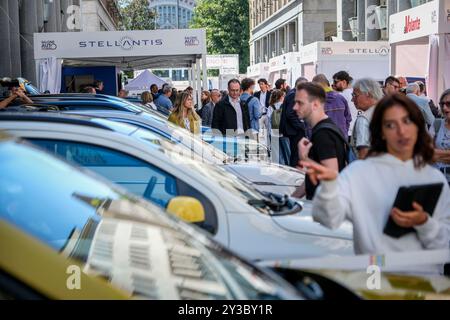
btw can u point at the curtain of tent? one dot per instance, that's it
(447, 62)
(433, 68)
(50, 75)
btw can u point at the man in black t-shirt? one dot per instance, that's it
(326, 146)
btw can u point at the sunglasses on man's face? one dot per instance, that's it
(446, 103)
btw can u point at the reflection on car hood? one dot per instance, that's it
(394, 286)
(267, 173)
(126, 252)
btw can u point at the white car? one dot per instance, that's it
(257, 226)
(265, 176)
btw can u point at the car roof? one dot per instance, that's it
(72, 119)
(82, 102)
(75, 95)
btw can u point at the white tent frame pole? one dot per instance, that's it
(37, 63)
(199, 83)
(194, 81)
(205, 73)
(190, 76)
(441, 65)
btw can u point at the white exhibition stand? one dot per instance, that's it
(361, 59)
(183, 48)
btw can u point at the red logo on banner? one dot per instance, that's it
(411, 25)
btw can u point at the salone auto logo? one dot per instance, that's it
(125, 43)
(191, 41)
(48, 45)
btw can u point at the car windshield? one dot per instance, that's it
(197, 145)
(225, 179)
(82, 216)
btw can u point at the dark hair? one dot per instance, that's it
(262, 80)
(153, 85)
(97, 83)
(300, 80)
(247, 83)
(208, 97)
(87, 89)
(423, 150)
(279, 83)
(233, 81)
(174, 95)
(314, 91)
(421, 86)
(391, 79)
(342, 75)
(275, 96)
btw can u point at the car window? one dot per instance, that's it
(210, 224)
(61, 206)
(135, 175)
(90, 107)
(55, 203)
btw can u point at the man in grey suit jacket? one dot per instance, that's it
(208, 109)
(413, 92)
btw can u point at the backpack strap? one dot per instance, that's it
(331, 127)
(437, 126)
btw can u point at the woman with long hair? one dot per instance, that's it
(440, 131)
(206, 97)
(271, 117)
(401, 154)
(184, 115)
(147, 100)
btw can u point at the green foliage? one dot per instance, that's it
(227, 27)
(136, 15)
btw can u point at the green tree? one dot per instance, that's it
(136, 15)
(227, 27)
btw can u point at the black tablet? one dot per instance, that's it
(425, 195)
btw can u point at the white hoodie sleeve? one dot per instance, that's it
(331, 206)
(435, 233)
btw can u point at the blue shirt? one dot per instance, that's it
(253, 110)
(163, 102)
(424, 107)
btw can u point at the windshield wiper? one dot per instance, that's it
(279, 205)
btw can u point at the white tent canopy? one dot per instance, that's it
(184, 48)
(144, 81)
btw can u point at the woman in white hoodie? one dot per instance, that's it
(364, 193)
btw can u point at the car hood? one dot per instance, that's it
(267, 174)
(303, 222)
(393, 286)
(407, 275)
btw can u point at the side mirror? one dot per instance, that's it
(187, 209)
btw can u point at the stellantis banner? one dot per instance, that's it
(119, 43)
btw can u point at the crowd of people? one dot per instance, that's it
(357, 141)
(397, 134)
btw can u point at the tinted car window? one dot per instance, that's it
(59, 208)
(135, 175)
(54, 202)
